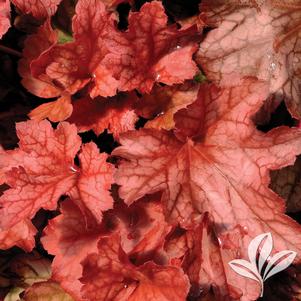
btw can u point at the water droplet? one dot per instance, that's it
(272, 63)
(273, 66)
(73, 169)
(178, 47)
(245, 229)
(125, 286)
(220, 242)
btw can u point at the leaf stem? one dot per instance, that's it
(11, 51)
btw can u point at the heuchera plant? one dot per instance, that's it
(141, 171)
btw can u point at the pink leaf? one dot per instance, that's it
(4, 17)
(253, 39)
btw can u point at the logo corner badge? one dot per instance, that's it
(261, 264)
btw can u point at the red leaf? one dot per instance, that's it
(95, 180)
(256, 38)
(115, 114)
(108, 275)
(150, 51)
(8, 160)
(34, 46)
(73, 65)
(164, 102)
(40, 9)
(100, 51)
(176, 246)
(44, 87)
(206, 264)
(112, 4)
(55, 111)
(21, 235)
(142, 228)
(222, 168)
(68, 238)
(47, 171)
(4, 17)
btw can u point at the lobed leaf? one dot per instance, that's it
(115, 278)
(261, 40)
(218, 163)
(46, 170)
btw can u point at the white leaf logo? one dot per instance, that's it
(259, 252)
